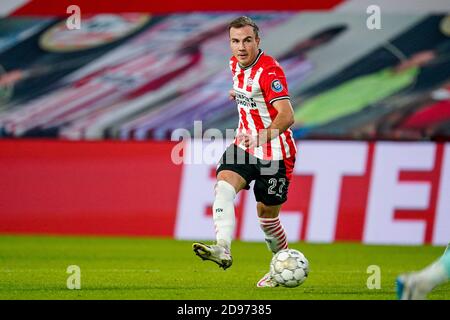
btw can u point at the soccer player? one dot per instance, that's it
(263, 150)
(417, 285)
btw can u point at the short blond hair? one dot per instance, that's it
(242, 22)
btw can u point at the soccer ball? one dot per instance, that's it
(289, 268)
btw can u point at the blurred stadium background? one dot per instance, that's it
(86, 118)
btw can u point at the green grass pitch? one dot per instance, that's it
(34, 267)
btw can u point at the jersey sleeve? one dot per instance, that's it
(273, 84)
(233, 63)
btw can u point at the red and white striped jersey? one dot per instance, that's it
(257, 86)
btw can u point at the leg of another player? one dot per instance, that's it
(417, 285)
(437, 273)
(269, 221)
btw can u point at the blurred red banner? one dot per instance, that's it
(59, 7)
(102, 188)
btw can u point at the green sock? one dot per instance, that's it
(445, 259)
(436, 273)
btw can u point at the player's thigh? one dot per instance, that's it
(233, 178)
(235, 168)
(272, 189)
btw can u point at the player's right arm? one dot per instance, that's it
(231, 94)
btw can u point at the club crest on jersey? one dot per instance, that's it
(277, 86)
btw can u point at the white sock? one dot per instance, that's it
(223, 213)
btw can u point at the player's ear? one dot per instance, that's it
(257, 39)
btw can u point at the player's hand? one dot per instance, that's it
(247, 140)
(231, 94)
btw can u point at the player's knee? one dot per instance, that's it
(265, 211)
(224, 191)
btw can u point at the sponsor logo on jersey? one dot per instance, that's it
(245, 101)
(277, 86)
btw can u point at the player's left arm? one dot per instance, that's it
(283, 121)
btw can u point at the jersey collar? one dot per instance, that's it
(254, 62)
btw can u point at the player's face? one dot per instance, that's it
(244, 45)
